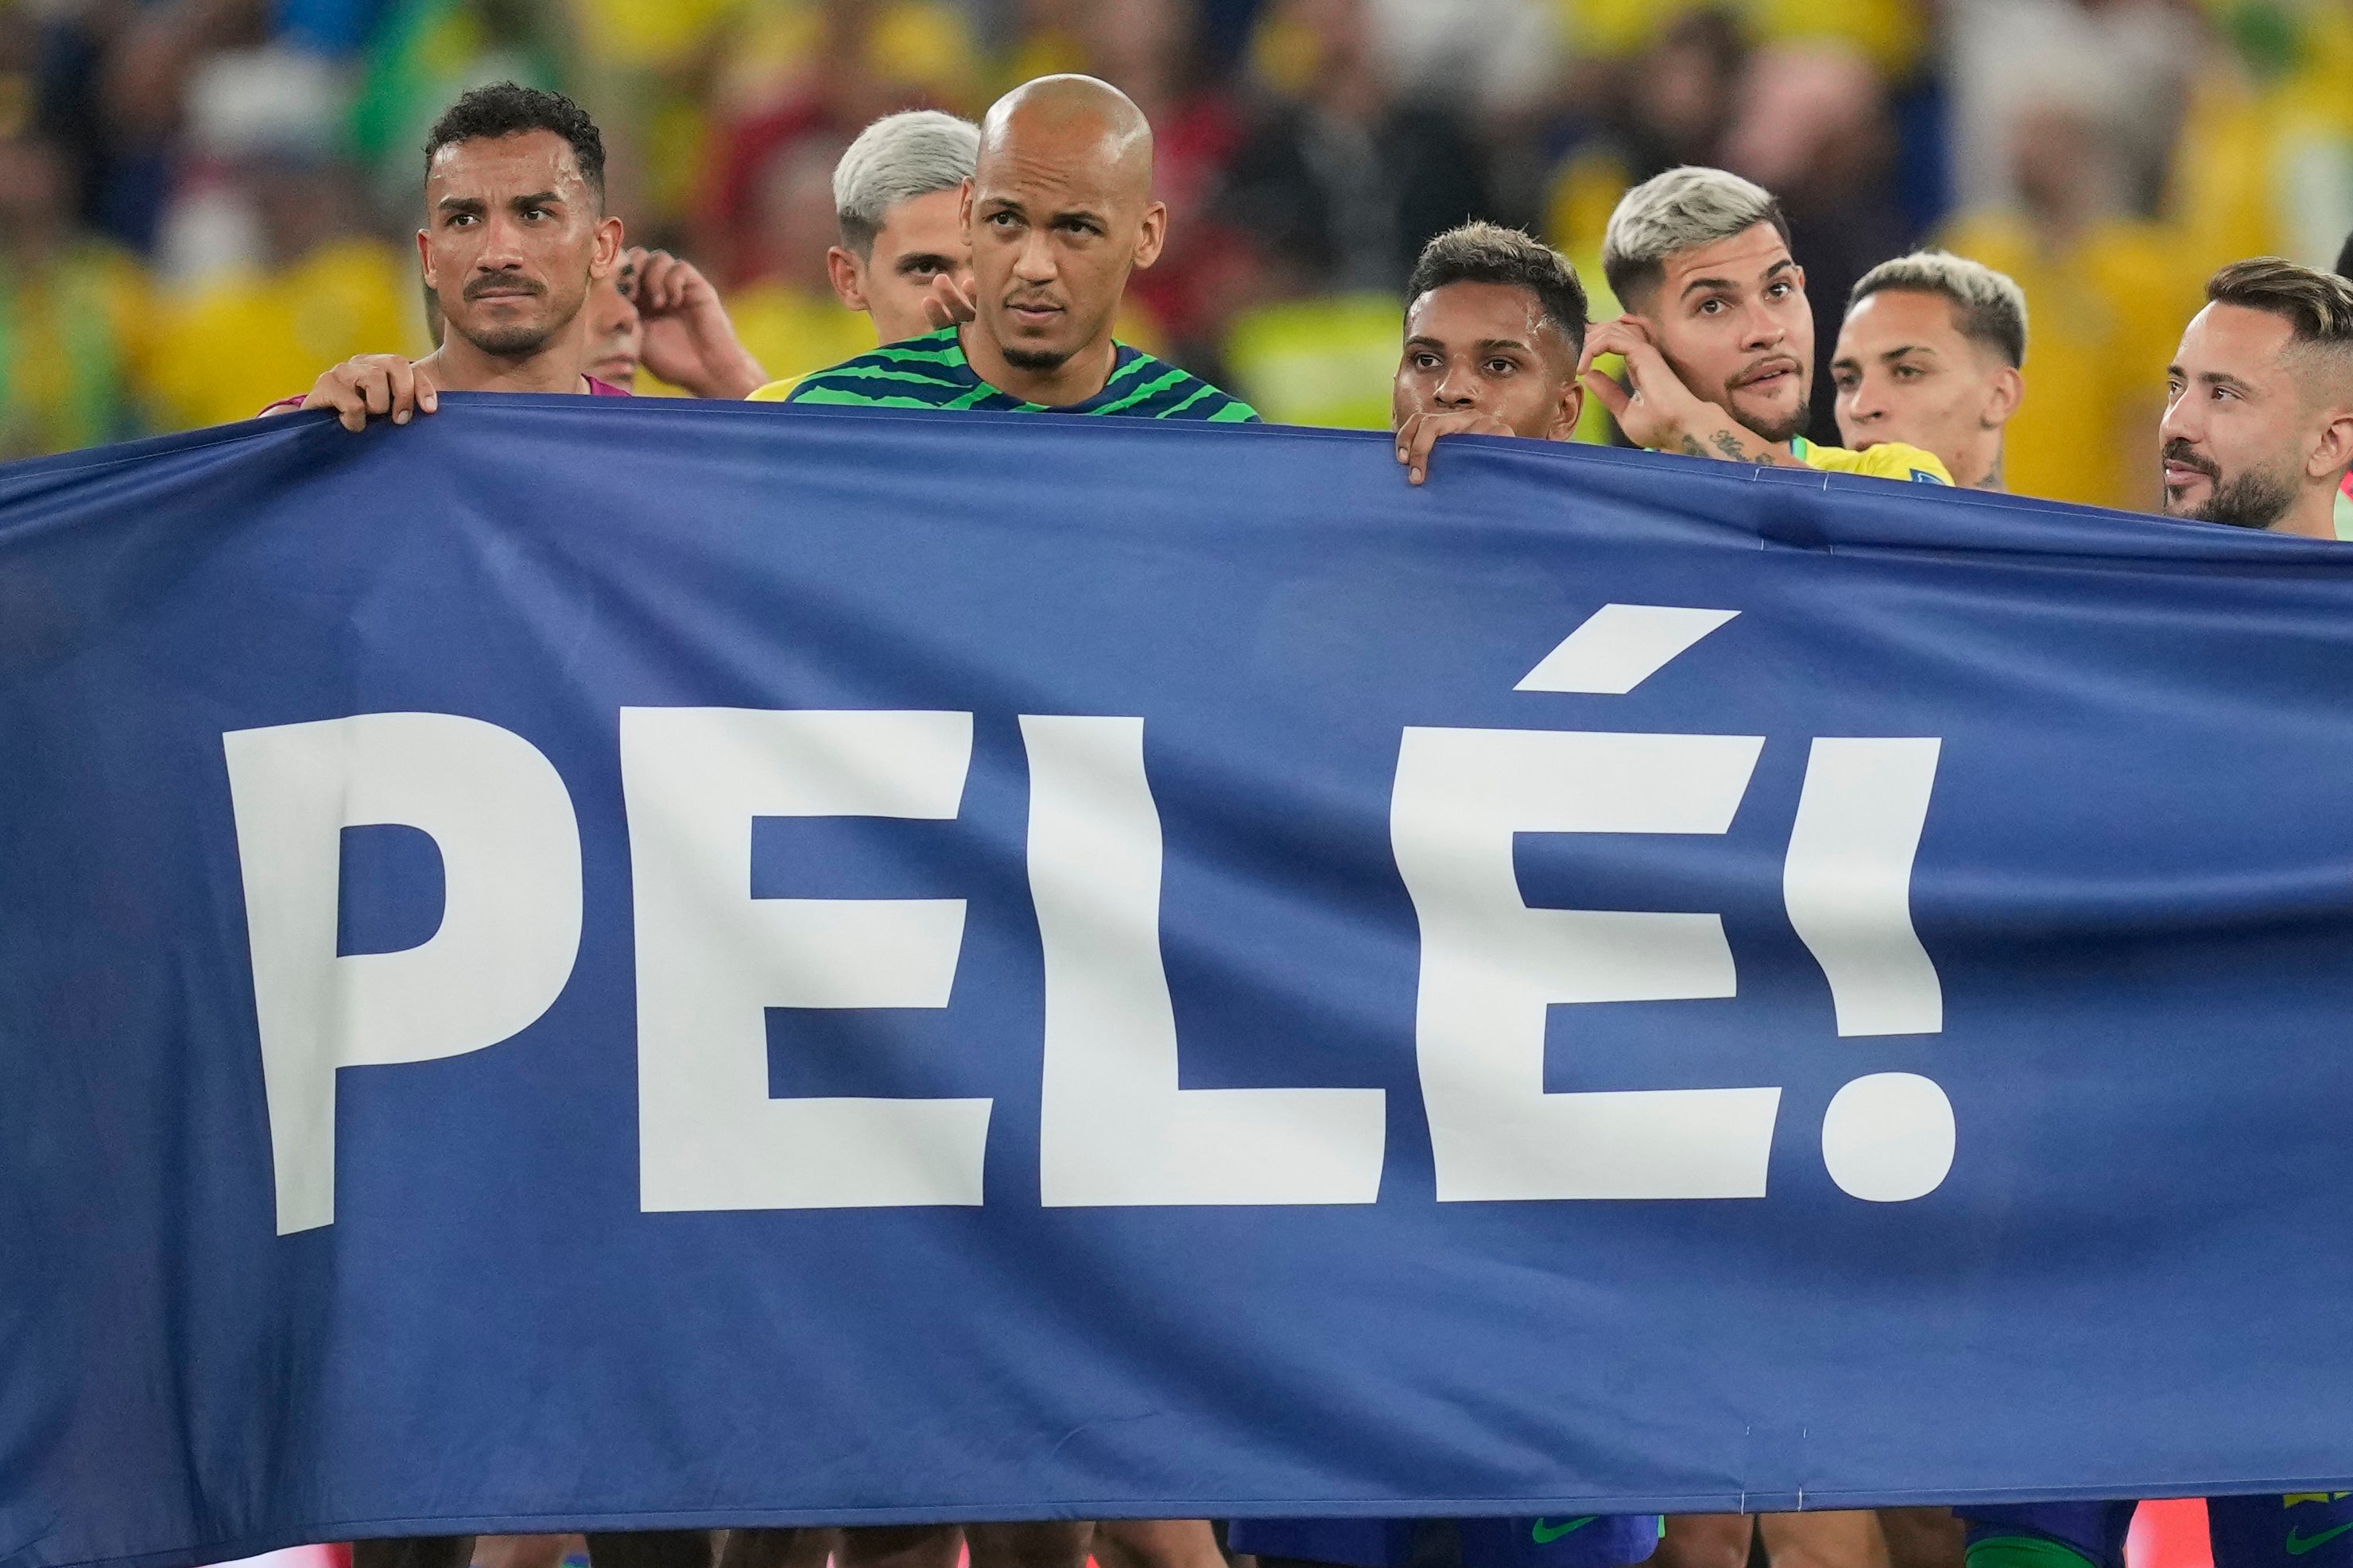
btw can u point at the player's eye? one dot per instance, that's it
(1906, 372)
(1500, 367)
(1846, 382)
(1711, 307)
(1777, 290)
(1425, 362)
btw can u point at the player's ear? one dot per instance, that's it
(2334, 450)
(963, 209)
(842, 269)
(425, 256)
(1570, 409)
(2008, 392)
(1152, 233)
(608, 254)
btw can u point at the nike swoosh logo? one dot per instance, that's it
(1544, 1534)
(2297, 1545)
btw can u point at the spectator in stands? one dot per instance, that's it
(1933, 353)
(1812, 126)
(2258, 428)
(1336, 188)
(1150, 49)
(864, 59)
(73, 316)
(274, 276)
(1673, 104)
(2106, 299)
(787, 308)
(898, 196)
(1718, 337)
(1494, 321)
(1340, 183)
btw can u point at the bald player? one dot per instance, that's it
(2258, 426)
(1494, 321)
(1059, 213)
(1933, 353)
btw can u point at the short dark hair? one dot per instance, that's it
(1490, 253)
(509, 108)
(2317, 305)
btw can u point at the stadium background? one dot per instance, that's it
(207, 202)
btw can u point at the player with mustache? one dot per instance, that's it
(516, 237)
(2258, 428)
(1717, 336)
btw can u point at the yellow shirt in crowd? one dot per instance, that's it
(792, 332)
(243, 340)
(2102, 320)
(73, 334)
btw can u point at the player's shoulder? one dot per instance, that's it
(1149, 387)
(1887, 460)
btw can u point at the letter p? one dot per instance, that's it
(510, 920)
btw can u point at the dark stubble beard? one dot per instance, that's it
(1775, 429)
(2253, 500)
(1034, 359)
(2249, 501)
(513, 342)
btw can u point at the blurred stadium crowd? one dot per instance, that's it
(205, 203)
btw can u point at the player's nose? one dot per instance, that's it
(1761, 328)
(1034, 262)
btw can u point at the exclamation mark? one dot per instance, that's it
(1887, 1137)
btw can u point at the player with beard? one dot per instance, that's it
(1932, 353)
(2258, 428)
(1494, 321)
(1059, 212)
(2258, 433)
(1717, 336)
(515, 238)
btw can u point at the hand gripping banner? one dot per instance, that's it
(669, 966)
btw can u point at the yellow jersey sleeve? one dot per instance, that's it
(1888, 460)
(774, 391)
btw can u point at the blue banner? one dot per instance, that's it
(668, 965)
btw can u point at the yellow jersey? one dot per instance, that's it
(1888, 460)
(775, 391)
